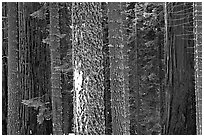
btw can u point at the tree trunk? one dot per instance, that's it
(22, 45)
(55, 75)
(180, 73)
(88, 70)
(66, 56)
(166, 106)
(198, 64)
(125, 64)
(4, 67)
(13, 72)
(118, 70)
(107, 93)
(133, 74)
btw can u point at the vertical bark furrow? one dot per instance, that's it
(21, 36)
(107, 94)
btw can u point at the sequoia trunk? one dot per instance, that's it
(181, 109)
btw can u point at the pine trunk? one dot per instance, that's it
(55, 75)
(13, 72)
(118, 70)
(88, 70)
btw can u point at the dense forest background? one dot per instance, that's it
(115, 68)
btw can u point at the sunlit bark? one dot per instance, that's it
(88, 69)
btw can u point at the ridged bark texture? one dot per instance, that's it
(35, 69)
(118, 69)
(22, 64)
(88, 69)
(198, 63)
(55, 75)
(13, 72)
(180, 74)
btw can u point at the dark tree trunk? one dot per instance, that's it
(134, 82)
(4, 67)
(55, 75)
(180, 71)
(22, 45)
(107, 93)
(66, 57)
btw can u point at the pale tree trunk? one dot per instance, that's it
(88, 69)
(118, 70)
(55, 75)
(166, 107)
(13, 127)
(198, 64)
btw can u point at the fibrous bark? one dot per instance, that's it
(180, 73)
(88, 70)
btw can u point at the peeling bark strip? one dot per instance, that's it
(198, 64)
(88, 69)
(166, 57)
(13, 126)
(55, 75)
(118, 70)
